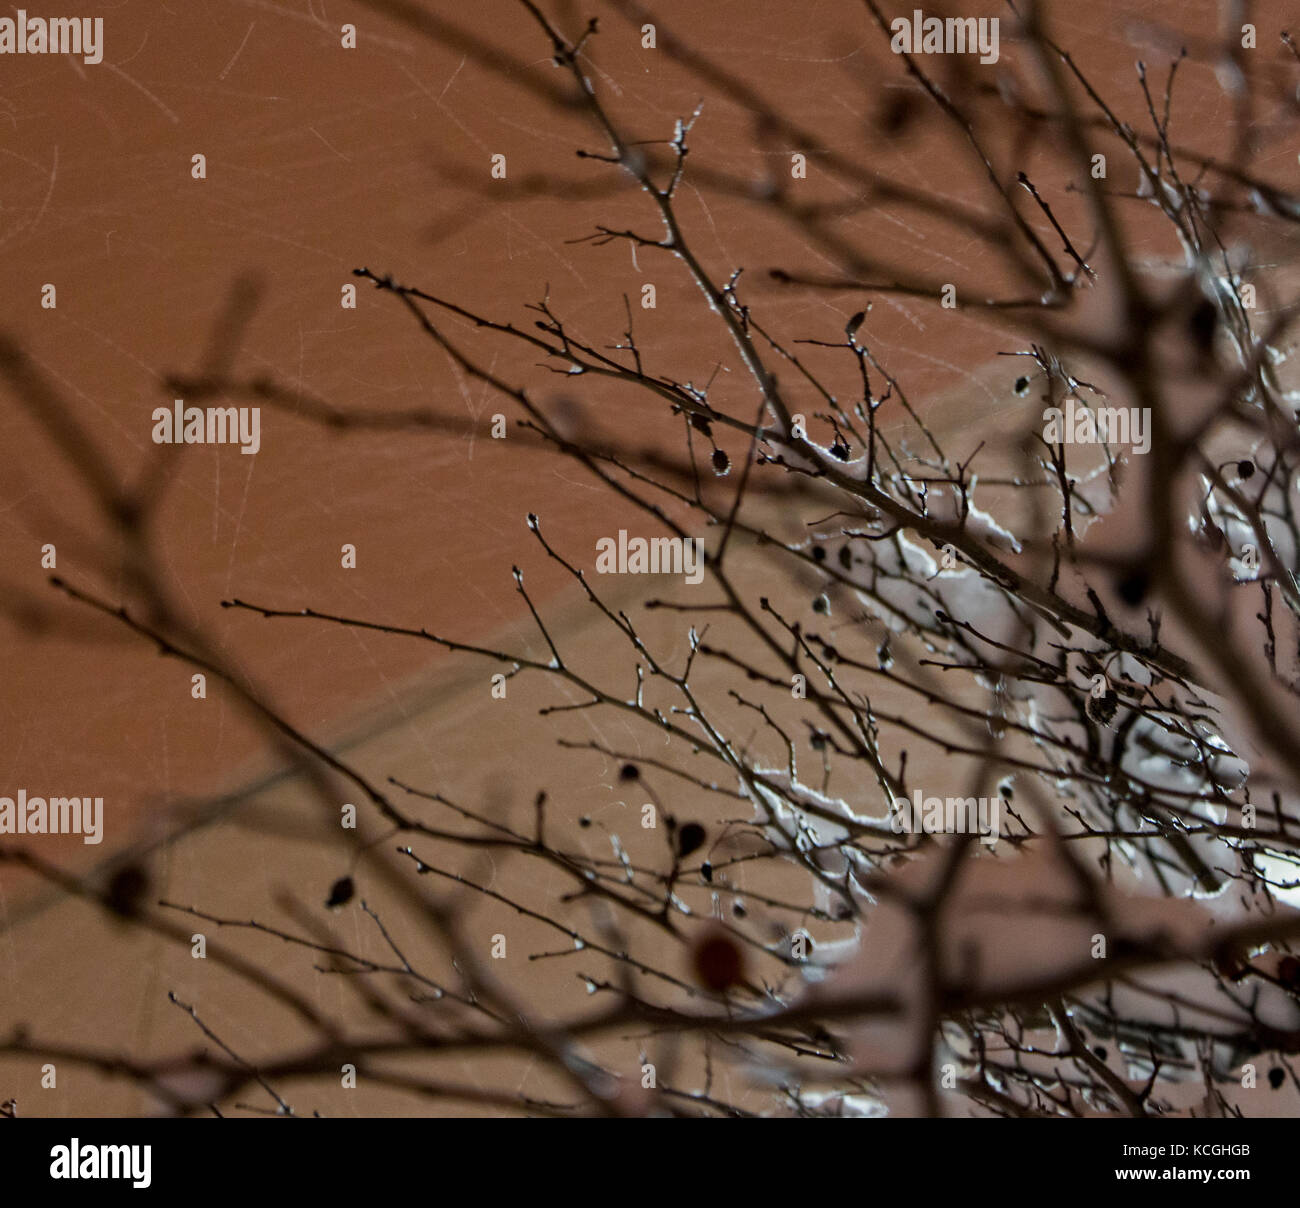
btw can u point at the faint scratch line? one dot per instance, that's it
(239, 527)
(54, 172)
(136, 84)
(225, 71)
(330, 145)
(49, 192)
(452, 80)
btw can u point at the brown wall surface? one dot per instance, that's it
(321, 160)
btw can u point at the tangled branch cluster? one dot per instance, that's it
(1104, 640)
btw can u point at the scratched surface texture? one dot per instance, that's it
(321, 160)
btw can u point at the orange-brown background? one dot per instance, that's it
(321, 160)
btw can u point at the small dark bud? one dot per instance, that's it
(126, 891)
(340, 893)
(721, 462)
(629, 771)
(719, 963)
(1245, 469)
(690, 838)
(1132, 587)
(896, 112)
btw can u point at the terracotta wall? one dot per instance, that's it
(319, 160)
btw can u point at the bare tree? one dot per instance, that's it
(980, 765)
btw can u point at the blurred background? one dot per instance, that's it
(321, 159)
